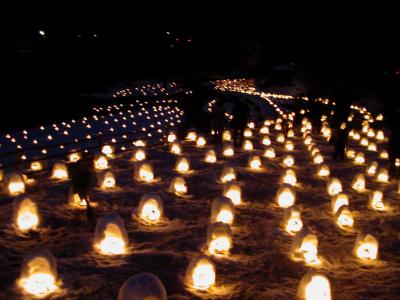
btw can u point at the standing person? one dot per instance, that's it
(239, 122)
(340, 142)
(83, 180)
(218, 120)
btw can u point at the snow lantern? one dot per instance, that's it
(308, 140)
(292, 221)
(380, 136)
(228, 150)
(358, 183)
(191, 136)
(278, 126)
(171, 137)
(14, 184)
(314, 150)
(60, 171)
(201, 141)
(372, 147)
(264, 130)
(75, 200)
(175, 148)
(247, 132)
(314, 286)
(182, 165)
(200, 273)
(228, 174)
(366, 247)
(142, 286)
(219, 238)
(359, 159)
(350, 154)
(371, 170)
(1, 175)
(280, 138)
(338, 201)
(139, 143)
(74, 157)
(107, 180)
(266, 140)
(222, 210)
(289, 177)
(36, 166)
(383, 176)
(39, 274)
(376, 201)
(100, 162)
(210, 157)
(25, 213)
(334, 186)
(285, 196)
(108, 151)
(289, 145)
(371, 133)
(364, 142)
(110, 235)
(151, 208)
(323, 171)
(288, 161)
(226, 135)
(290, 133)
(269, 152)
(344, 217)
(318, 159)
(233, 191)
(247, 145)
(305, 247)
(356, 136)
(254, 162)
(178, 186)
(138, 154)
(144, 172)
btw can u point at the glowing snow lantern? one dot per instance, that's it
(359, 159)
(323, 171)
(74, 157)
(191, 136)
(201, 141)
(338, 201)
(100, 162)
(358, 183)
(233, 191)
(107, 181)
(364, 142)
(14, 184)
(383, 176)
(107, 150)
(138, 154)
(318, 159)
(178, 186)
(219, 238)
(110, 235)
(305, 247)
(264, 130)
(289, 177)
(182, 165)
(344, 218)
(372, 147)
(151, 207)
(289, 145)
(200, 273)
(228, 174)
(285, 196)
(278, 126)
(314, 286)
(36, 166)
(254, 162)
(60, 171)
(266, 140)
(75, 200)
(308, 140)
(39, 274)
(269, 152)
(292, 221)
(247, 132)
(139, 143)
(144, 172)
(228, 150)
(350, 154)
(171, 137)
(210, 157)
(356, 136)
(143, 286)
(366, 247)
(222, 210)
(290, 133)
(371, 170)
(376, 201)
(176, 148)
(25, 214)
(247, 145)
(384, 155)
(334, 186)
(226, 135)
(371, 133)
(280, 138)
(288, 161)
(380, 136)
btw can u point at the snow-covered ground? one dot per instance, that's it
(259, 265)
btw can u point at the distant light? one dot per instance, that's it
(42, 33)
(168, 32)
(95, 35)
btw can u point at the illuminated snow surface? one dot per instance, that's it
(259, 264)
